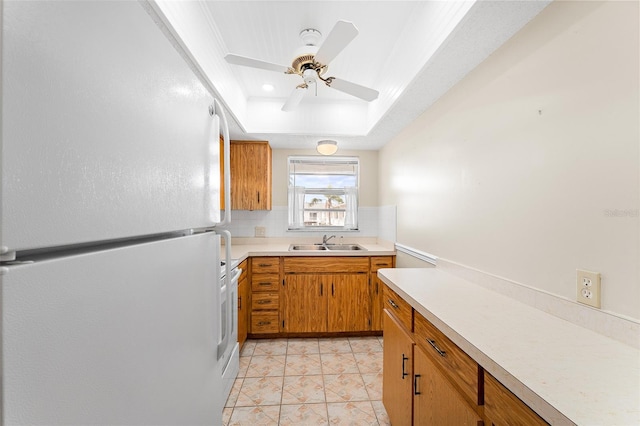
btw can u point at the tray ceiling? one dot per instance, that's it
(412, 52)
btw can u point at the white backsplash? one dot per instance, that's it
(244, 222)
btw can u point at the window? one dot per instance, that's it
(323, 192)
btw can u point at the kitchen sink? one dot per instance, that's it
(328, 247)
(306, 247)
(345, 247)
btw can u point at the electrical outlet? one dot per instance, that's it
(260, 231)
(588, 285)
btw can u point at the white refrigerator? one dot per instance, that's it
(110, 194)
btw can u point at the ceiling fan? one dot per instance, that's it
(311, 63)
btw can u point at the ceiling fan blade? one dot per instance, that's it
(353, 89)
(294, 99)
(339, 37)
(254, 63)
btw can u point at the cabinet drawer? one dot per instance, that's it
(265, 265)
(264, 322)
(264, 282)
(306, 264)
(381, 262)
(400, 309)
(501, 407)
(457, 365)
(265, 301)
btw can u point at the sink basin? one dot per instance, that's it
(306, 247)
(329, 247)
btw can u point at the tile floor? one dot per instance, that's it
(307, 381)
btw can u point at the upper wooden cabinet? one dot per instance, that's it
(250, 175)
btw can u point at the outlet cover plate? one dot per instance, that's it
(588, 286)
(260, 231)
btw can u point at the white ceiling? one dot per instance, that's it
(412, 52)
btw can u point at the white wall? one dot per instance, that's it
(529, 168)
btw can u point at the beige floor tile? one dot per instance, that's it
(233, 395)
(244, 364)
(373, 385)
(352, 413)
(369, 362)
(226, 416)
(270, 347)
(334, 345)
(298, 365)
(248, 348)
(260, 391)
(365, 344)
(304, 414)
(303, 390)
(338, 363)
(344, 388)
(302, 346)
(256, 415)
(270, 365)
(381, 413)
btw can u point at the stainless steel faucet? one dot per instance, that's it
(325, 239)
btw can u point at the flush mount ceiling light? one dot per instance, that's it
(327, 147)
(267, 87)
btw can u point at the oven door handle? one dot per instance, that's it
(224, 342)
(236, 275)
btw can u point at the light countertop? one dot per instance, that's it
(275, 247)
(566, 373)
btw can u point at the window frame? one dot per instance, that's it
(293, 209)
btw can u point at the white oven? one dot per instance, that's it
(228, 348)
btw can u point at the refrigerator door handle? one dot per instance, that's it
(216, 109)
(222, 346)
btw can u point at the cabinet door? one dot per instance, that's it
(378, 262)
(435, 400)
(250, 175)
(349, 306)
(376, 302)
(397, 384)
(305, 303)
(243, 310)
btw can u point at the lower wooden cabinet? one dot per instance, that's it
(315, 303)
(397, 371)
(435, 400)
(428, 380)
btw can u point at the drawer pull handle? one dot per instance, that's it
(404, 358)
(264, 265)
(264, 322)
(263, 302)
(392, 303)
(433, 344)
(264, 283)
(415, 384)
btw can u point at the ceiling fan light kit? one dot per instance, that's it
(312, 61)
(327, 147)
